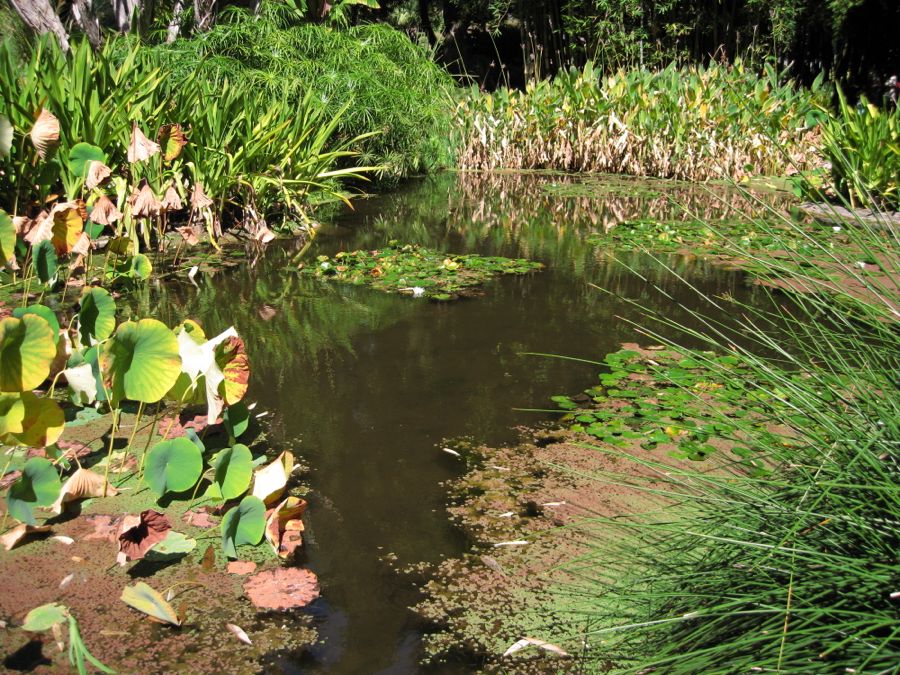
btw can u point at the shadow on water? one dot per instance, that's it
(366, 385)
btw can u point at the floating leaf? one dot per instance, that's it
(140, 362)
(233, 471)
(238, 633)
(282, 588)
(283, 527)
(7, 238)
(45, 617)
(270, 481)
(139, 267)
(97, 316)
(82, 484)
(141, 148)
(81, 155)
(528, 642)
(172, 139)
(37, 486)
(173, 466)
(241, 567)
(45, 261)
(138, 534)
(144, 599)
(27, 349)
(17, 534)
(244, 524)
(45, 134)
(175, 544)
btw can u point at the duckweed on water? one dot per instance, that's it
(417, 271)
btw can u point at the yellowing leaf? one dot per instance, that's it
(270, 481)
(144, 599)
(82, 484)
(67, 226)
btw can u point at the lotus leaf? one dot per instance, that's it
(67, 227)
(45, 617)
(37, 486)
(231, 357)
(233, 471)
(175, 545)
(42, 423)
(139, 267)
(140, 362)
(145, 599)
(12, 414)
(173, 466)
(7, 238)
(97, 316)
(83, 154)
(6, 136)
(244, 524)
(27, 349)
(236, 419)
(45, 261)
(40, 310)
(172, 139)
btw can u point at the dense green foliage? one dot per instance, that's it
(370, 78)
(689, 123)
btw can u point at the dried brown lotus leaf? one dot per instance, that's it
(270, 481)
(141, 148)
(138, 534)
(105, 212)
(190, 235)
(23, 225)
(19, 532)
(41, 229)
(171, 201)
(282, 588)
(83, 246)
(283, 526)
(45, 134)
(199, 200)
(82, 484)
(97, 174)
(143, 202)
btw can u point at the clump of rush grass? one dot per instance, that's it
(792, 569)
(693, 123)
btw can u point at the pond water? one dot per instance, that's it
(366, 386)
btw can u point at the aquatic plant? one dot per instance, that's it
(51, 617)
(690, 123)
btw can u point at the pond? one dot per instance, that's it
(368, 387)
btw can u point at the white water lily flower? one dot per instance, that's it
(418, 291)
(836, 228)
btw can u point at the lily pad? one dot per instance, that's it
(37, 486)
(175, 545)
(27, 349)
(42, 423)
(233, 471)
(173, 466)
(45, 617)
(244, 524)
(83, 154)
(140, 362)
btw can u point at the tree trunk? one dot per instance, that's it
(425, 20)
(204, 14)
(175, 23)
(125, 11)
(40, 17)
(83, 12)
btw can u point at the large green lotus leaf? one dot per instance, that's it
(43, 422)
(244, 524)
(233, 471)
(12, 414)
(45, 617)
(140, 362)
(139, 267)
(37, 486)
(81, 155)
(40, 310)
(173, 466)
(45, 261)
(97, 316)
(7, 238)
(27, 349)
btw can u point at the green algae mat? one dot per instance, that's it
(413, 270)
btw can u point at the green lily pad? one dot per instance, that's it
(139, 267)
(175, 545)
(37, 486)
(244, 524)
(45, 261)
(27, 349)
(97, 316)
(173, 466)
(233, 471)
(7, 238)
(140, 362)
(45, 617)
(81, 155)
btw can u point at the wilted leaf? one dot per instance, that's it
(171, 200)
(138, 534)
(45, 617)
(97, 174)
(67, 226)
(199, 519)
(172, 139)
(231, 357)
(17, 534)
(244, 524)
(144, 599)
(241, 567)
(82, 484)
(527, 642)
(282, 588)
(239, 633)
(284, 527)
(141, 148)
(270, 481)
(45, 134)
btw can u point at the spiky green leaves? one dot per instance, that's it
(37, 486)
(173, 466)
(27, 349)
(140, 361)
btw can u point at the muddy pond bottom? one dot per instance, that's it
(366, 387)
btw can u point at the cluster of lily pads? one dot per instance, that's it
(675, 401)
(414, 270)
